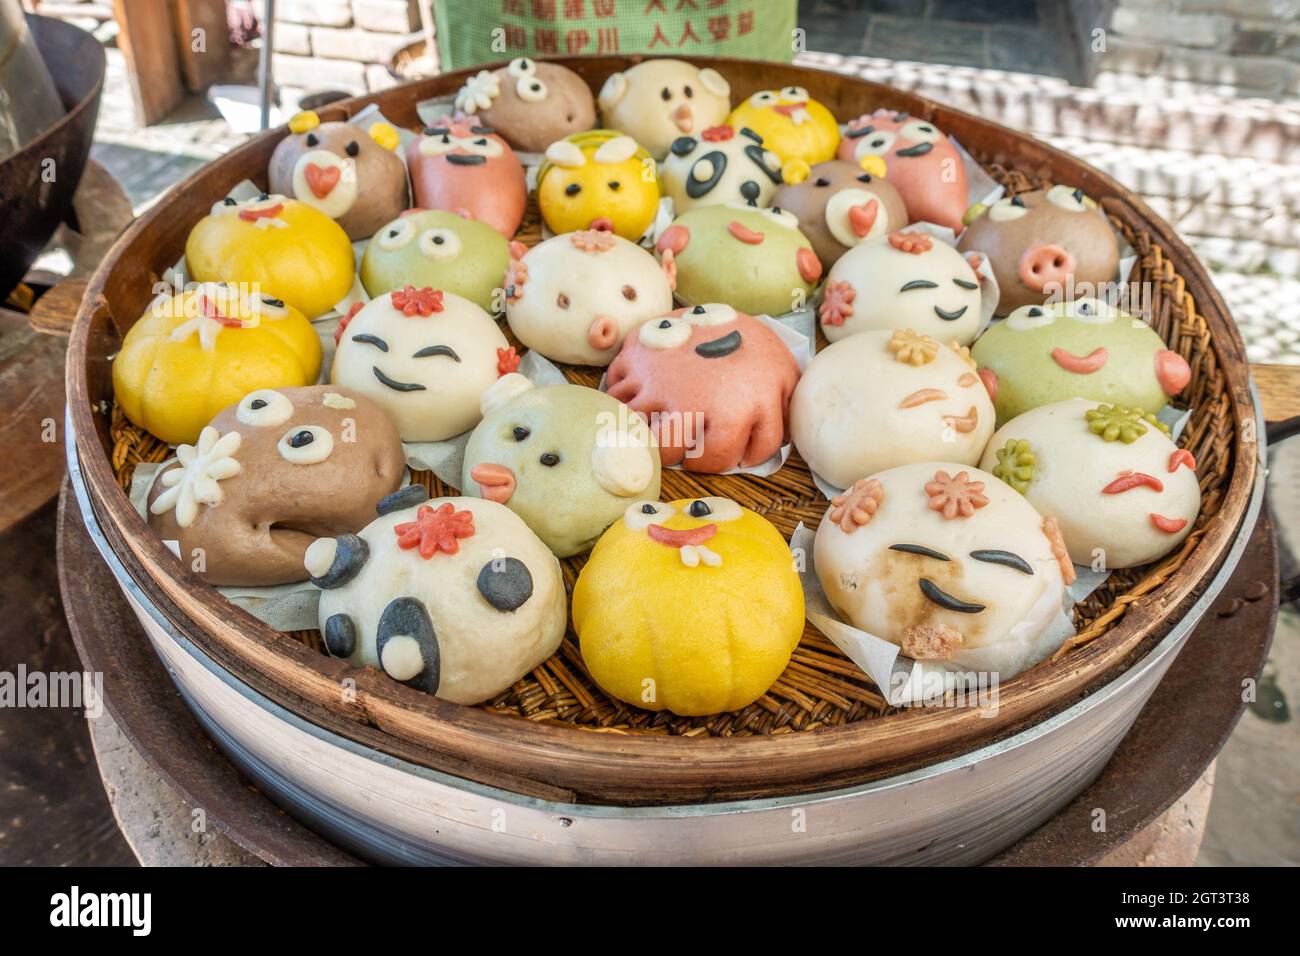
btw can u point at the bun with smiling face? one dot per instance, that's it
(1125, 501)
(426, 357)
(714, 383)
(948, 563)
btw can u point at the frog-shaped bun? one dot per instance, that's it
(530, 102)
(840, 206)
(565, 458)
(464, 167)
(1123, 493)
(755, 260)
(190, 355)
(429, 247)
(657, 101)
(880, 399)
(426, 356)
(279, 246)
(454, 596)
(692, 606)
(573, 297)
(904, 280)
(714, 383)
(793, 125)
(1046, 245)
(352, 175)
(598, 180)
(1087, 348)
(721, 164)
(920, 162)
(268, 476)
(948, 563)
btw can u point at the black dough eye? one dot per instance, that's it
(649, 509)
(257, 403)
(822, 181)
(392, 233)
(505, 583)
(700, 510)
(573, 189)
(877, 143)
(302, 438)
(274, 303)
(536, 87)
(689, 92)
(438, 240)
(614, 184)
(480, 142)
(312, 140)
(864, 178)
(228, 201)
(749, 189)
(520, 433)
(666, 94)
(550, 459)
(263, 197)
(698, 310)
(352, 149)
(666, 324)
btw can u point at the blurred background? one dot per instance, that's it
(1193, 104)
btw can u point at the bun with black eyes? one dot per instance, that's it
(530, 102)
(840, 205)
(353, 175)
(658, 100)
(271, 473)
(430, 247)
(453, 596)
(719, 165)
(1046, 244)
(462, 167)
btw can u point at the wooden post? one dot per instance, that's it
(147, 37)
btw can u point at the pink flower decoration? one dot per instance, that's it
(856, 506)
(413, 301)
(516, 277)
(435, 531)
(837, 303)
(507, 361)
(955, 496)
(912, 242)
(592, 240)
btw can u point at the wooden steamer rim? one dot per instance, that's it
(569, 764)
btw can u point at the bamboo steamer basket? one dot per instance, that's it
(401, 776)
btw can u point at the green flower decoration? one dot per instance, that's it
(1112, 422)
(1015, 465)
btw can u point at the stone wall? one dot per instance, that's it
(1242, 48)
(340, 44)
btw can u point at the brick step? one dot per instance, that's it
(1049, 106)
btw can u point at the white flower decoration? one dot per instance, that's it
(478, 92)
(195, 481)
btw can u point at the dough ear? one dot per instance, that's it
(624, 469)
(566, 153)
(385, 135)
(333, 562)
(715, 82)
(503, 390)
(613, 91)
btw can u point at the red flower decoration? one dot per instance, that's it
(955, 496)
(507, 361)
(717, 134)
(837, 303)
(974, 260)
(435, 531)
(347, 320)
(857, 505)
(913, 242)
(413, 301)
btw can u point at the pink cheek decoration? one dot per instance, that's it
(1081, 365)
(602, 333)
(1172, 371)
(746, 235)
(990, 380)
(968, 379)
(674, 238)
(921, 396)
(496, 482)
(1181, 457)
(1168, 525)
(680, 539)
(1129, 480)
(810, 267)
(863, 216)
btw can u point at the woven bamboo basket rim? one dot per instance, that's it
(555, 734)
